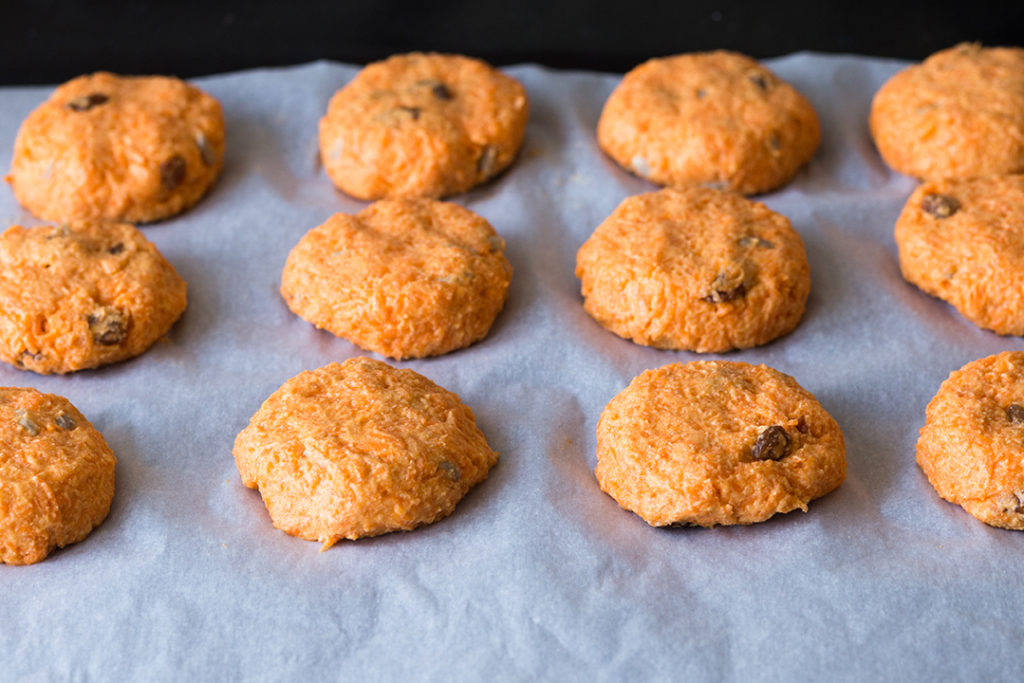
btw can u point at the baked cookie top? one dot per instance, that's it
(695, 269)
(963, 241)
(56, 475)
(716, 118)
(361, 449)
(958, 114)
(405, 277)
(716, 442)
(82, 295)
(422, 125)
(122, 148)
(970, 445)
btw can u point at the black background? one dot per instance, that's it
(48, 41)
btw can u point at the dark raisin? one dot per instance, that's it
(413, 112)
(940, 205)
(65, 422)
(1015, 413)
(442, 92)
(451, 469)
(772, 444)
(116, 249)
(87, 102)
(108, 325)
(172, 172)
(725, 288)
(801, 425)
(701, 93)
(485, 165)
(774, 142)
(760, 81)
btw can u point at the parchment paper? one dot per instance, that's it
(538, 575)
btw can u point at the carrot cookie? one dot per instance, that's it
(970, 447)
(715, 442)
(132, 149)
(716, 118)
(56, 475)
(361, 449)
(695, 269)
(963, 241)
(406, 278)
(422, 125)
(959, 114)
(82, 295)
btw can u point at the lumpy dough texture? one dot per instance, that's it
(361, 449)
(716, 442)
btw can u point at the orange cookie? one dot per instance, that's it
(133, 149)
(422, 125)
(716, 118)
(963, 241)
(405, 278)
(695, 269)
(959, 114)
(84, 295)
(56, 475)
(715, 442)
(361, 449)
(972, 444)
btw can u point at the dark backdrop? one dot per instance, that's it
(46, 41)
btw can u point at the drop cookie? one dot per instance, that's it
(695, 269)
(56, 475)
(406, 278)
(422, 125)
(959, 114)
(361, 449)
(82, 295)
(970, 446)
(963, 242)
(716, 118)
(120, 148)
(716, 442)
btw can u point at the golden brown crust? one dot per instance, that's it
(970, 445)
(709, 118)
(959, 114)
(695, 269)
(361, 449)
(56, 475)
(703, 444)
(83, 295)
(132, 149)
(422, 125)
(963, 241)
(405, 278)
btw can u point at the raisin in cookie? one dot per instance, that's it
(959, 114)
(971, 447)
(56, 475)
(82, 295)
(403, 277)
(709, 118)
(422, 125)
(361, 449)
(134, 149)
(716, 442)
(963, 241)
(695, 269)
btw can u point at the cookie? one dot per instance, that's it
(422, 125)
(82, 295)
(361, 449)
(133, 149)
(716, 442)
(716, 118)
(970, 445)
(959, 114)
(406, 278)
(695, 269)
(56, 475)
(963, 242)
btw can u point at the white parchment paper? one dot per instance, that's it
(537, 575)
